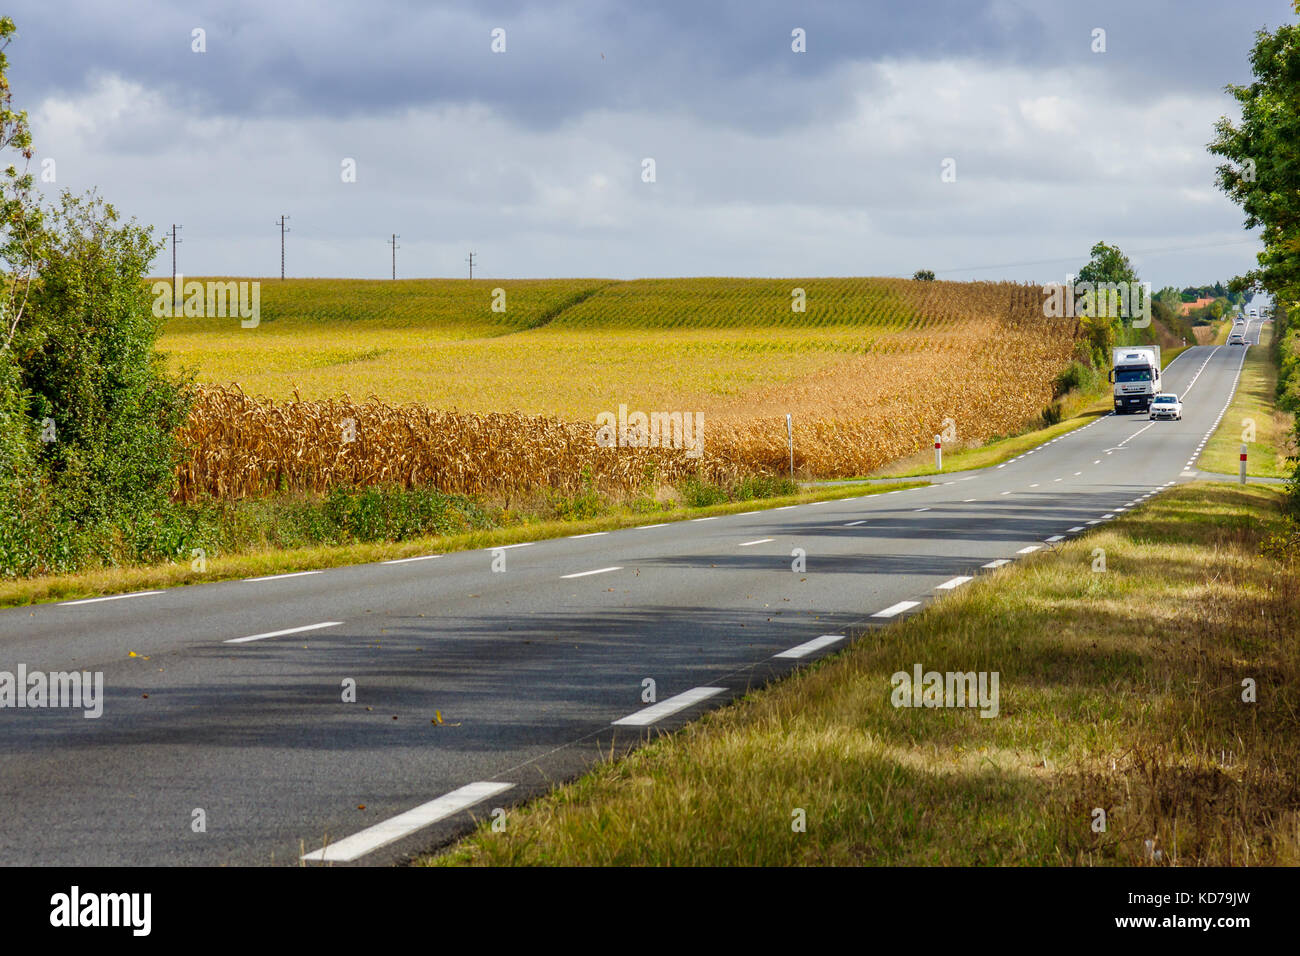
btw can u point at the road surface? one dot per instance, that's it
(225, 736)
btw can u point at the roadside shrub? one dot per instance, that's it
(701, 494)
(88, 416)
(1075, 377)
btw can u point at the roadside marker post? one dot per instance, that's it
(1243, 463)
(938, 453)
(789, 432)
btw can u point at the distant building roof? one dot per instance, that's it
(1198, 304)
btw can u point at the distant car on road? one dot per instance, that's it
(1236, 338)
(1167, 405)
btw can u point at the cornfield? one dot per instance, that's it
(977, 358)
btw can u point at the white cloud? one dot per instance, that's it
(1048, 163)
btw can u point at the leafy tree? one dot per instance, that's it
(1107, 264)
(923, 275)
(1262, 174)
(20, 217)
(22, 494)
(88, 415)
(89, 365)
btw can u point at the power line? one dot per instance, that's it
(283, 230)
(393, 242)
(470, 260)
(1134, 252)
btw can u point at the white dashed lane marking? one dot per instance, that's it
(111, 597)
(382, 834)
(290, 630)
(954, 583)
(668, 707)
(583, 574)
(895, 609)
(810, 647)
(277, 577)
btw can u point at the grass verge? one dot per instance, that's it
(278, 560)
(1253, 405)
(1120, 691)
(1083, 410)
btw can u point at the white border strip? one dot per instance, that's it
(667, 707)
(404, 824)
(291, 630)
(111, 597)
(809, 647)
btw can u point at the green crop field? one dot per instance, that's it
(574, 347)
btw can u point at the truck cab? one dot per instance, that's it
(1135, 374)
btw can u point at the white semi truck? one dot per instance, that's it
(1135, 371)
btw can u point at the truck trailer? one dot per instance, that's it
(1135, 372)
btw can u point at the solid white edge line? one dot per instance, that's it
(111, 597)
(290, 630)
(668, 707)
(404, 824)
(809, 647)
(583, 574)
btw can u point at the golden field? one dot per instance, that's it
(442, 390)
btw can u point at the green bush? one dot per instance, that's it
(1075, 377)
(89, 413)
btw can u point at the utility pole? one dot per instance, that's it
(283, 230)
(175, 240)
(393, 242)
(470, 260)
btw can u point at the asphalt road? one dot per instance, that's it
(535, 669)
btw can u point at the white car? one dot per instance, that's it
(1236, 338)
(1167, 405)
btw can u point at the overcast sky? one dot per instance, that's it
(767, 162)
